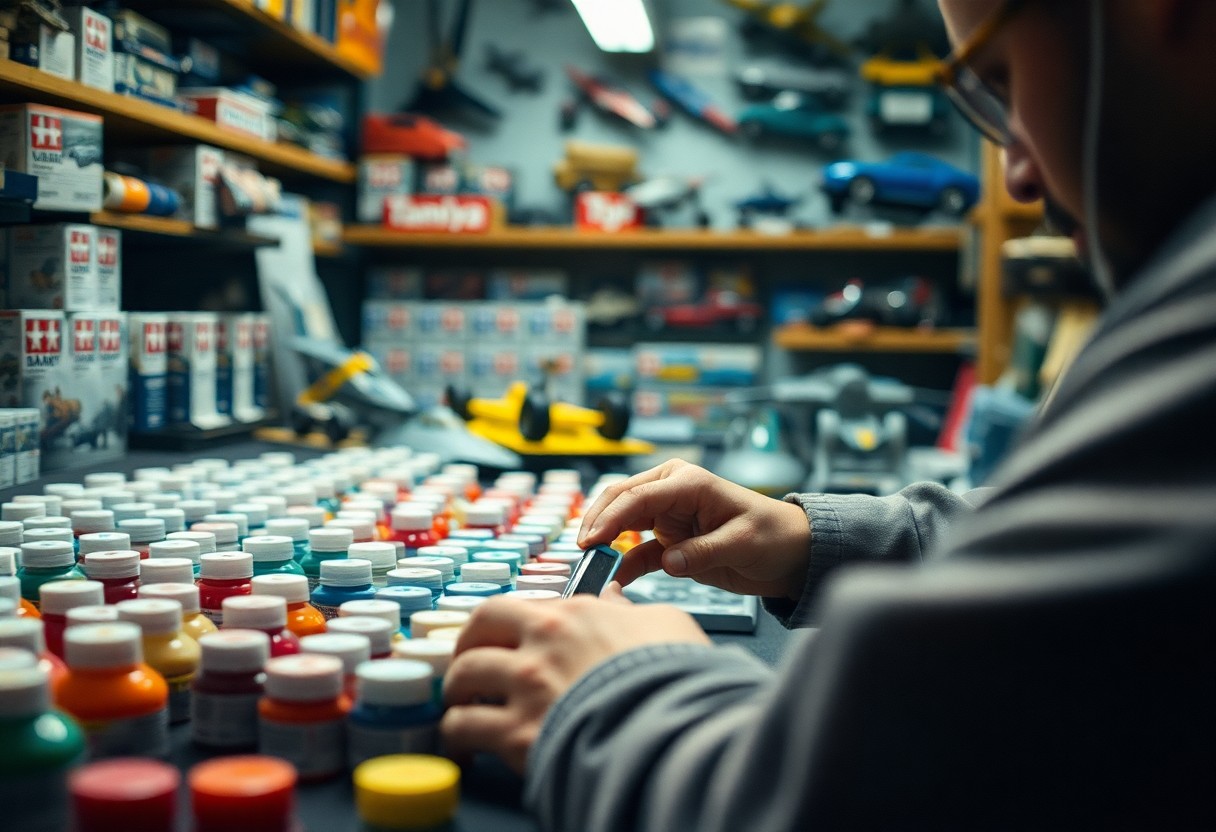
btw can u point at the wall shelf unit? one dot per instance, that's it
(805, 338)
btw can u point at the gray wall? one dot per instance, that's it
(528, 138)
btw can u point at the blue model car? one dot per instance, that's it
(797, 115)
(912, 180)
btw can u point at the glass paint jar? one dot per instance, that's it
(381, 554)
(409, 600)
(28, 634)
(227, 534)
(295, 528)
(144, 532)
(341, 581)
(43, 563)
(326, 544)
(91, 521)
(430, 579)
(303, 618)
(56, 599)
(223, 575)
(490, 517)
(156, 570)
(413, 526)
(266, 614)
(393, 712)
(378, 607)
(272, 554)
(194, 623)
(167, 650)
(86, 544)
(302, 716)
(204, 540)
(485, 572)
(117, 572)
(352, 649)
(225, 692)
(444, 565)
(435, 652)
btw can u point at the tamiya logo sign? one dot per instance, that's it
(177, 337)
(109, 336)
(452, 319)
(42, 337)
(506, 363)
(46, 133)
(397, 362)
(78, 245)
(96, 33)
(508, 321)
(432, 214)
(451, 363)
(84, 335)
(398, 317)
(441, 180)
(383, 176)
(154, 338)
(107, 250)
(563, 321)
(603, 211)
(204, 337)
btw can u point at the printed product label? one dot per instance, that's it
(327, 611)
(315, 749)
(179, 699)
(140, 736)
(225, 721)
(216, 617)
(313, 583)
(367, 742)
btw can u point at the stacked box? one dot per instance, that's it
(194, 172)
(53, 267)
(28, 464)
(94, 397)
(94, 47)
(236, 368)
(394, 283)
(261, 361)
(192, 371)
(8, 448)
(45, 47)
(61, 147)
(692, 380)
(382, 175)
(147, 335)
(33, 376)
(109, 270)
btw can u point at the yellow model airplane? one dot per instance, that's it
(527, 422)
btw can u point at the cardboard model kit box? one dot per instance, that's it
(237, 350)
(32, 371)
(147, 338)
(8, 448)
(61, 147)
(53, 267)
(192, 378)
(94, 47)
(109, 270)
(93, 397)
(194, 172)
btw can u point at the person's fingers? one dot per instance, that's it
(613, 594)
(721, 547)
(640, 560)
(609, 495)
(482, 674)
(636, 509)
(497, 623)
(467, 729)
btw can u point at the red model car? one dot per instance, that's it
(719, 306)
(410, 134)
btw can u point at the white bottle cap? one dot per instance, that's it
(269, 548)
(85, 522)
(448, 634)
(378, 631)
(95, 614)
(415, 576)
(435, 652)
(21, 511)
(255, 612)
(393, 682)
(351, 648)
(166, 571)
(10, 588)
(25, 691)
(118, 564)
(445, 566)
(323, 487)
(104, 479)
(57, 597)
(71, 505)
(514, 547)
(300, 495)
(346, 572)
(224, 499)
(196, 510)
(182, 591)
(155, 616)
(226, 566)
(9, 558)
(486, 572)
(422, 623)
(460, 603)
(186, 549)
(459, 555)
(293, 589)
(226, 534)
(104, 542)
(131, 511)
(386, 610)
(255, 516)
(102, 646)
(553, 583)
(24, 634)
(56, 522)
(277, 459)
(173, 483)
(412, 518)
(12, 533)
(63, 489)
(173, 518)
(294, 528)
(163, 501)
(485, 514)
(47, 554)
(61, 535)
(144, 529)
(359, 516)
(383, 490)
(205, 540)
(552, 522)
(409, 599)
(534, 595)
(112, 497)
(275, 505)
(314, 515)
(239, 521)
(560, 570)
(463, 470)
(383, 556)
(234, 651)
(569, 558)
(331, 539)
(364, 531)
(304, 678)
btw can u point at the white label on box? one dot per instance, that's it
(109, 270)
(8, 448)
(94, 53)
(906, 107)
(53, 267)
(57, 52)
(62, 148)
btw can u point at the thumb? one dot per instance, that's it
(614, 594)
(697, 554)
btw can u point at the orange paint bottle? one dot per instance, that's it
(303, 618)
(302, 717)
(10, 587)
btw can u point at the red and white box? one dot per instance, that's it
(193, 339)
(240, 330)
(86, 420)
(94, 47)
(148, 340)
(109, 270)
(605, 211)
(231, 110)
(35, 377)
(62, 148)
(439, 214)
(53, 267)
(194, 172)
(382, 175)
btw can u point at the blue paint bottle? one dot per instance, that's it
(346, 579)
(411, 599)
(394, 712)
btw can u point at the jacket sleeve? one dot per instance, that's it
(845, 528)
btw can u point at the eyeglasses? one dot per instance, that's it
(982, 106)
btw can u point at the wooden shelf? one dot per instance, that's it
(830, 239)
(141, 121)
(801, 337)
(171, 230)
(270, 44)
(320, 249)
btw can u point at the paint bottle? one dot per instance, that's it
(204, 540)
(43, 563)
(255, 515)
(551, 583)
(194, 623)
(56, 599)
(144, 532)
(463, 603)
(444, 565)
(225, 692)
(130, 511)
(303, 619)
(243, 794)
(353, 649)
(422, 623)
(10, 556)
(383, 557)
(120, 702)
(468, 539)
(10, 587)
(223, 575)
(40, 747)
(156, 570)
(409, 600)
(475, 589)
(513, 554)
(485, 572)
(196, 510)
(52, 503)
(227, 534)
(167, 650)
(61, 535)
(272, 554)
(381, 608)
(266, 614)
(349, 579)
(19, 512)
(534, 595)
(12, 534)
(466, 474)
(567, 558)
(554, 523)
(407, 792)
(393, 711)
(118, 572)
(412, 525)
(362, 529)
(535, 543)
(173, 518)
(327, 494)
(295, 528)
(302, 716)
(490, 517)
(560, 570)
(87, 544)
(126, 794)
(545, 533)
(315, 516)
(92, 521)
(435, 652)
(329, 543)
(378, 631)
(441, 524)
(431, 579)
(63, 490)
(29, 634)
(99, 614)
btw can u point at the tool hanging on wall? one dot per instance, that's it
(438, 90)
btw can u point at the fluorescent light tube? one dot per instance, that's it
(617, 25)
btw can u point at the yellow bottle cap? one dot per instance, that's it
(406, 791)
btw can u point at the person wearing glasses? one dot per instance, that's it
(625, 717)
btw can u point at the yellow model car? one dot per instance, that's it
(887, 71)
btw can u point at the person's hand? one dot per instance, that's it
(515, 658)
(705, 528)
